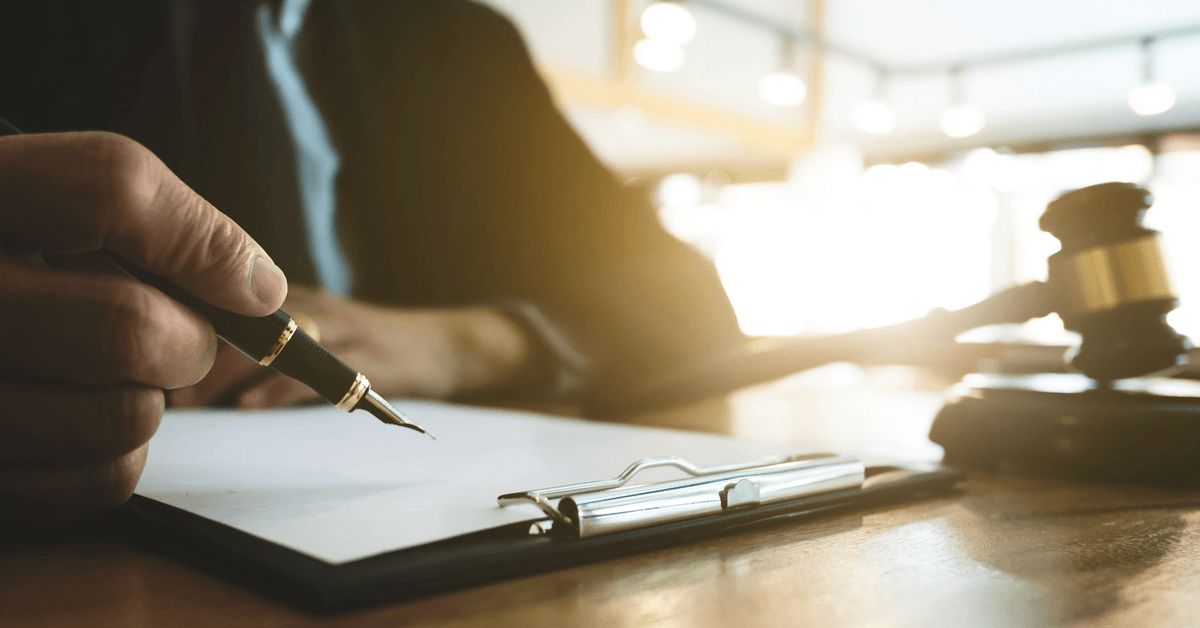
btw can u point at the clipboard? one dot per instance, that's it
(617, 518)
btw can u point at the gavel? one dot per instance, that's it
(1108, 283)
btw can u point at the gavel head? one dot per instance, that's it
(1109, 283)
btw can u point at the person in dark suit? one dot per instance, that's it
(487, 253)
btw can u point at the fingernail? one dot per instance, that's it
(267, 282)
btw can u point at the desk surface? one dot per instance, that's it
(1007, 552)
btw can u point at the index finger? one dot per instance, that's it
(76, 192)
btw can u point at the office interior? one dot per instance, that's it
(845, 165)
(854, 164)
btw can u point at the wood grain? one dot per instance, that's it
(1008, 552)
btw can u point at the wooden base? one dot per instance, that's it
(1144, 431)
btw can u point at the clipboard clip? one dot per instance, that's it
(605, 507)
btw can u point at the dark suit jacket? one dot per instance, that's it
(460, 181)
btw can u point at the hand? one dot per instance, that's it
(434, 353)
(87, 352)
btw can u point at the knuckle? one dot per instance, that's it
(149, 339)
(218, 248)
(65, 493)
(111, 483)
(125, 321)
(118, 167)
(131, 416)
(188, 346)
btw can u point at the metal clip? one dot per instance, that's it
(603, 507)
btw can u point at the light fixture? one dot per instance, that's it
(657, 55)
(668, 26)
(669, 23)
(1151, 97)
(961, 119)
(783, 87)
(875, 115)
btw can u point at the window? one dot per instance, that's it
(839, 246)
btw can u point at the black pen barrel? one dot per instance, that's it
(272, 340)
(306, 361)
(275, 341)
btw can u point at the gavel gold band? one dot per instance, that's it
(280, 344)
(356, 392)
(1105, 277)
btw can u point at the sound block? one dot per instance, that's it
(1143, 430)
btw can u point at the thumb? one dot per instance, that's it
(77, 192)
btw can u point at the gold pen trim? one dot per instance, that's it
(281, 343)
(356, 392)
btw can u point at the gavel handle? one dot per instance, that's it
(764, 359)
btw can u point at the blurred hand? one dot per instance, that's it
(433, 353)
(86, 354)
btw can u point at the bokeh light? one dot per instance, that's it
(669, 23)
(657, 55)
(1151, 99)
(963, 120)
(782, 89)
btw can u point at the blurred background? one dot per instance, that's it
(854, 163)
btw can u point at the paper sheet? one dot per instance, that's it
(340, 487)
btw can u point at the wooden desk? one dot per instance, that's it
(1007, 552)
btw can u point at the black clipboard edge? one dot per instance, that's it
(499, 554)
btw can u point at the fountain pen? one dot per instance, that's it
(275, 341)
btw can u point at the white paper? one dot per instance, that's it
(340, 487)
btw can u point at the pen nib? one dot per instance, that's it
(385, 412)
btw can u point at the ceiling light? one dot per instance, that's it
(658, 56)
(782, 89)
(1151, 97)
(963, 120)
(669, 23)
(874, 115)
